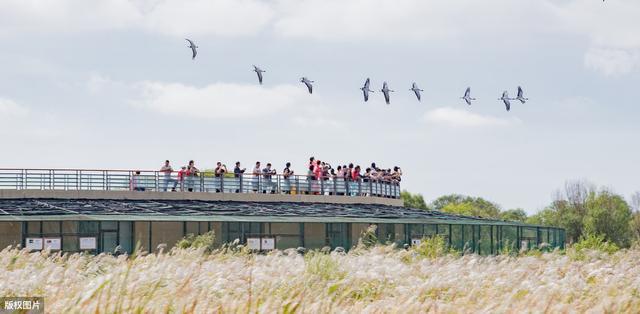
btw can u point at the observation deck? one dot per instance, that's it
(105, 184)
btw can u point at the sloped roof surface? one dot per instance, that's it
(18, 209)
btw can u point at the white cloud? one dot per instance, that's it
(10, 109)
(19, 122)
(462, 118)
(204, 17)
(412, 20)
(219, 100)
(612, 62)
(169, 17)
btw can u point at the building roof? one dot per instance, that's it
(192, 210)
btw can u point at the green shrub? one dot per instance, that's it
(205, 241)
(596, 243)
(591, 242)
(433, 247)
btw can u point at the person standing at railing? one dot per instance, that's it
(192, 174)
(219, 175)
(237, 173)
(135, 182)
(355, 178)
(287, 173)
(268, 183)
(166, 171)
(181, 174)
(310, 179)
(256, 177)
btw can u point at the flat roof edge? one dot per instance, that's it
(196, 196)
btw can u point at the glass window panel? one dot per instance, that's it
(10, 234)
(357, 229)
(509, 237)
(70, 243)
(416, 231)
(430, 230)
(485, 240)
(88, 227)
(456, 237)
(314, 235)
(125, 236)
(285, 242)
(142, 234)
(167, 232)
(204, 227)
(51, 227)
(400, 236)
(386, 233)
(69, 227)
(468, 237)
(192, 227)
(33, 227)
(109, 241)
(109, 225)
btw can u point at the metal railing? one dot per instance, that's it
(133, 180)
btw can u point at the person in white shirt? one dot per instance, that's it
(166, 171)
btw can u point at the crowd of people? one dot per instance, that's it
(262, 177)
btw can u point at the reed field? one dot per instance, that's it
(381, 279)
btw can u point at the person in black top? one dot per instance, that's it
(237, 172)
(286, 174)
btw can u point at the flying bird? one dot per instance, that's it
(385, 91)
(506, 100)
(307, 82)
(259, 72)
(416, 90)
(467, 96)
(193, 48)
(521, 95)
(365, 90)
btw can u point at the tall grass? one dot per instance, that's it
(379, 279)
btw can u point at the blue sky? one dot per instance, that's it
(111, 84)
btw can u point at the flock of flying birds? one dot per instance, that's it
(385, 87)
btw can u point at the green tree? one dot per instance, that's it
(583, 210)
(635, 220)
(608, 215)
(517, 214)
(467, 205)
(413, 200)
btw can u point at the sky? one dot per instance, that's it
(111, 84)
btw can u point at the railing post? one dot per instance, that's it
(347, 186)
(241, 179)
(278, 186)
(359, 186)
(335, 186)
(201, 182)
(321, 185)
(221, 183)
(370, 187)
(78, 179)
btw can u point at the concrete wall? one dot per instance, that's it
(201, 196)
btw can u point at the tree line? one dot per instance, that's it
(580, 208)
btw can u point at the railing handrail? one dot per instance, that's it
(207, 181)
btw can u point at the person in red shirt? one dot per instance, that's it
(355, 175)
(181, 174)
